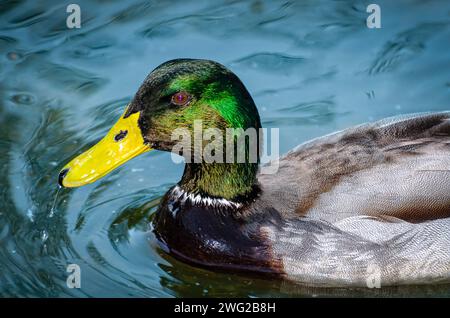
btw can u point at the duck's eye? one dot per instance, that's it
(181, 98)
(120, 135)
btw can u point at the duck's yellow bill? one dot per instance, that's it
(123, 142)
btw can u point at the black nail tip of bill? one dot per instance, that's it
(61, 176)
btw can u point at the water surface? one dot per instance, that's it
(313, 67)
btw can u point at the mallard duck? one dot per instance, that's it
(367, 205)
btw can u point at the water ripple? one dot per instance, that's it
(270, 62)
(61, 89)
(71, 79)
(406, 46)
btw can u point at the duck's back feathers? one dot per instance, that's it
(397, 167)
(366, 206)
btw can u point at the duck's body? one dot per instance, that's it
(366, 205)
(371, 201)
(398, 167)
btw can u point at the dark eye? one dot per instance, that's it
(181, 98)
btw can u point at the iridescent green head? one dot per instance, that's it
(180, 91)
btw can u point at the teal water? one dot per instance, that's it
(313, 67)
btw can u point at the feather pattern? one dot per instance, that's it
(360, 249)
(368, 202)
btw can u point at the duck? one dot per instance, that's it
(366, 206)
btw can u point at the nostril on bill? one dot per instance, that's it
(61, 176)
(122, 134)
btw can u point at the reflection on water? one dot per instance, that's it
(312, 67)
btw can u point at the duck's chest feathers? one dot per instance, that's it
(204, 231)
